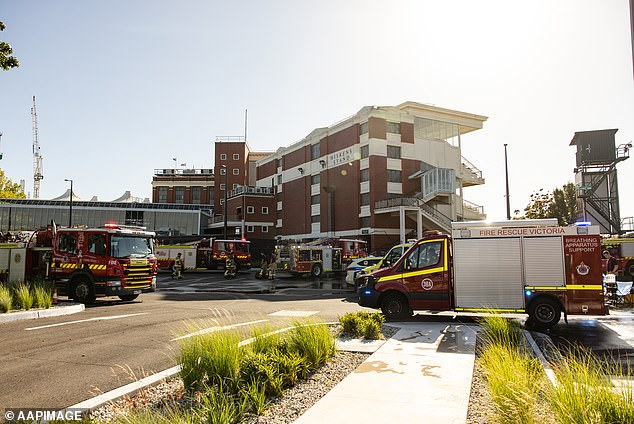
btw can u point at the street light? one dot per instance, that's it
(70, 204)
(225, 214)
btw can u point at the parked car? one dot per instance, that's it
(359, 264)
(390, 258)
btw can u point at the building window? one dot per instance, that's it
(364, 128)
(223, 171)
(315, 219)
(365, 151)
(278, 162)
(265, 228)
(314, 200)
(394, 176)
(239, 212)
(265, 210)
(315, 151)
(236, 171)
(365, 199)
(162, 194)
(223, 156)
(134, 218)
(279, 179)
(365, 175)
(236, 156)
(365, 222)
(250, 209)
(179, 194)
(250, 229)
(314, 179)
(394, 152)
(222, 186)
(235, 186)
(222, 202)
(278, 197)
(279, 214)
(196, 195)
(393, 127)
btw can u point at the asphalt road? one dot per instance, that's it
(57, 362)
(60, 361)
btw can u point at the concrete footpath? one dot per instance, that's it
(422, 374)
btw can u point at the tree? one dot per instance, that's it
(9, 189)
(560, 204)
(6, 60)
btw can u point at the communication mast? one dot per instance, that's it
(37, 157)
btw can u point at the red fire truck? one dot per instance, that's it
(86, 263)
(623, 251)
(206, 254)
(351, 249)
(525, 266)
(313, 260)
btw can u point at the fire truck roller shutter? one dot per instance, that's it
(82, 288)
(488, 273)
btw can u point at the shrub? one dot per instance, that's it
(255, 393)
(22, 297)
(362, 324)
(312, 341)
(501, 331)
(209, 359)
(42, 296)
(514, 381)
(6, 299)
(584, 394)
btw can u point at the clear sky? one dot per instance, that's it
(124, 86)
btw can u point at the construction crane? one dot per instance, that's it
(37, 157)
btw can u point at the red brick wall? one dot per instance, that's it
(296, 210)
(377, 128)
(407, 132)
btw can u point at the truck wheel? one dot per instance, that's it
(395, 306)
(545, 312)
(128, 297)
(316, 270)
(83, 291)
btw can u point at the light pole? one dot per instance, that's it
(225, 204)
(70, 204)
(508, 201)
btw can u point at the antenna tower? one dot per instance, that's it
(37, 157)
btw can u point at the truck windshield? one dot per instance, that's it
(131, 246)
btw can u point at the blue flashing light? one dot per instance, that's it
(367, 292)
(583, 223)
(529, 292)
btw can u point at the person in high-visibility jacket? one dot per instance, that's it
(178, 267)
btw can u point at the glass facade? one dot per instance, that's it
(30, 215)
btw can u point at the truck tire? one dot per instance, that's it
(395, 306)
(316, 270)
(83, 290)
(544, 312)
(128, 297)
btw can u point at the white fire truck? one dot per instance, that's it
(524, 266)
(85, 263)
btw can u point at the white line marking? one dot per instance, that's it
(212, 329)
(86, 320)
(285, 313)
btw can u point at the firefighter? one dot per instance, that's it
(177, 267)
(230, 266)
(611, 266)
(264, 268)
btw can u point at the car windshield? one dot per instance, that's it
(131, 246)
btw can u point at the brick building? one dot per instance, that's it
(183, 186)
(383, 174)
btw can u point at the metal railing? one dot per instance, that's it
(438, 217)
(173, 171)
(251, 190)
(437, 181)
(473, 207)
(471, 167)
